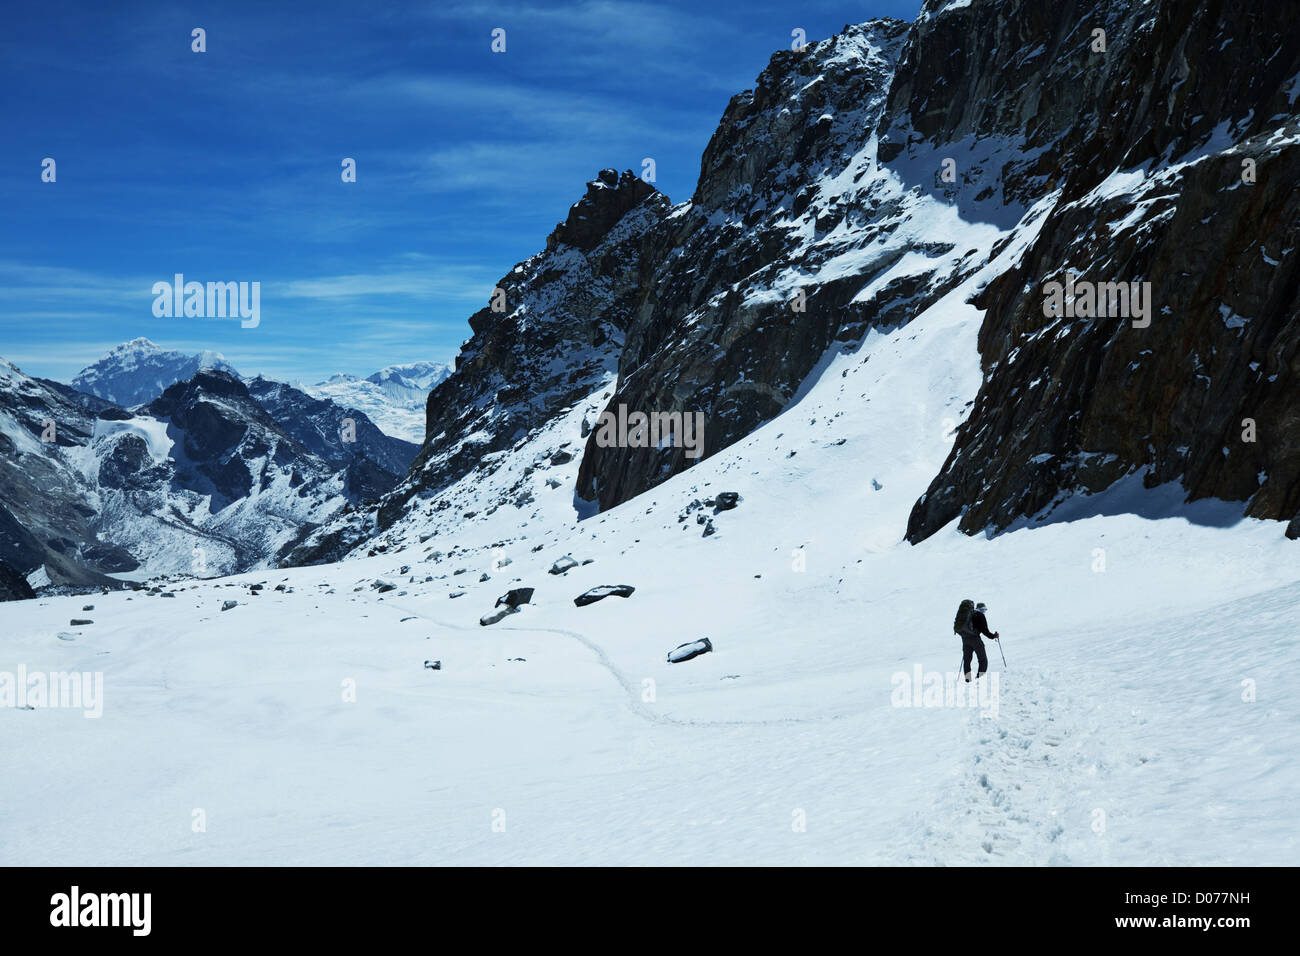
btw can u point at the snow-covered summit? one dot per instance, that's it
(139, 371)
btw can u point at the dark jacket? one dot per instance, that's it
(979, 624)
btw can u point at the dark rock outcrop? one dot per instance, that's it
(1184, 95)
(716, 331)
(13, 586)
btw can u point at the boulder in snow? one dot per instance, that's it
(602, 592)
(515, 597)
(227, 605)
(563, 564)
(684, 652)
(492, 618)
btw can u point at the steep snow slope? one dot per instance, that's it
(1118, 733)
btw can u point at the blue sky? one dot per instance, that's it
(225, 165)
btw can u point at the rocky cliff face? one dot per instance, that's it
(1147, 144)
(762, 270)
(866, 176)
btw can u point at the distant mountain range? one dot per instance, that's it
(394, 397)
(170, 463)
(139, 371)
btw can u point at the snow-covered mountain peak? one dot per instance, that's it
(139, 371)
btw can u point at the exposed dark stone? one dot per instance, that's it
(726, 500)
(515, 597)
(603, 591)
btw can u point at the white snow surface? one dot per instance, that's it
(1144, 714)
(151, 431)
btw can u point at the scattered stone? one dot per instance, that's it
(81, 621)
(456, 594)
(708, 529)
(484, 577)
(405, 619)
(227, 605)
(565, 563)
(386, 587)
(492, 618)
(515, 597)
(88, 607)
(405, 569)
(433, 665)
(603, 591)
(279, 587)
(684, 652)
(517, 659)
(170, 594)
(562, 457)
(726, 500)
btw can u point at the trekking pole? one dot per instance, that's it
(1000, 651)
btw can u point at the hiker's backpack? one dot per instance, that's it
(961, 625)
